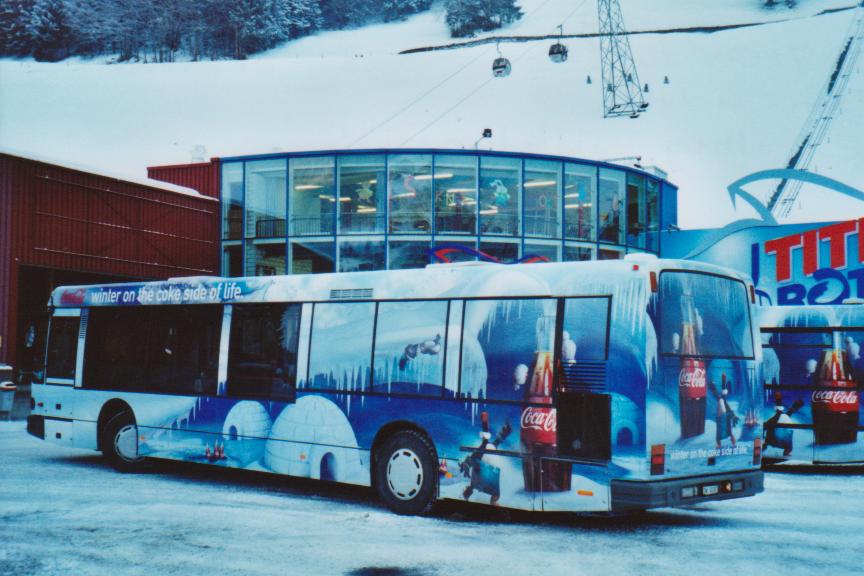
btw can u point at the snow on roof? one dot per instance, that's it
(99, 172)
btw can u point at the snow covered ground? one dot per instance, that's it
(735, 104)
(64, 511)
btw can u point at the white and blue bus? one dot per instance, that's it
(814, 375)
(595, 386)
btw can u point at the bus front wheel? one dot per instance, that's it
(406, 474)
(120, 443)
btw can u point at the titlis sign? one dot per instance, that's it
(821, 266)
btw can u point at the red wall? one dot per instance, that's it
(56, 217)
(5, 256)
(203, 177)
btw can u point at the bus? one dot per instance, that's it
(814, 374)
(589, 387)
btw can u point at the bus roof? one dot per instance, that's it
(812, 317)
(436, 281)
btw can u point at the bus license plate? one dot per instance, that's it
(710, 489)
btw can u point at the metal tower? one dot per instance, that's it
(622, 93)
(781, 201)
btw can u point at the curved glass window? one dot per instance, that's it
(578, 252)
(636, 211)
(580, 201)
(504, 250)
(542, 199)
(546, 251)
(312, 256)
(500, 191)
(652, 205)
(362, 194)
(611, 225)
(265, 198)
(455, 194)
(410, 185)
(313, 195)
(361, 255)
(408, 253)
(265, 257)
(232, 200)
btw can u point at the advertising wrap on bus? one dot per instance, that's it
(791, 265)
(539, 385)
(814, 375)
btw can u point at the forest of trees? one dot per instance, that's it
(161, 30)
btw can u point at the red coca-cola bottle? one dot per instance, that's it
(539, 425)
(692, 380)
(835, 401)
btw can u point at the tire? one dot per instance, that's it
(117, 443)
(406, 473)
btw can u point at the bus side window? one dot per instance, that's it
(506, 346)
(584, 333)
(62, 348)
(262, 361)
(409, 347)
(159, 349)
(341, 346)
(183, 349)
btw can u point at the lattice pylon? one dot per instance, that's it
(622, 92)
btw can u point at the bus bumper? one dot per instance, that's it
(36, 426)
(636, 495)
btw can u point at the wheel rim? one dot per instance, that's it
(126, 443)
(404, 474)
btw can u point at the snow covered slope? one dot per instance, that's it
(735, 103)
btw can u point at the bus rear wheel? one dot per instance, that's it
(120, 443)
(406, 474)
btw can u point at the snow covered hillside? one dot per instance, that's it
(735, 103)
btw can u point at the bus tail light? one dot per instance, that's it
(658, 459)
(752, 294)
(653, 277)
(757, 450)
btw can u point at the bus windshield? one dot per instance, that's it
(704, 315)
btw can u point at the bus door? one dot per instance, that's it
(63, 361)
(584, 406)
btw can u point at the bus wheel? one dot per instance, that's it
(120, 443)
(405, 473)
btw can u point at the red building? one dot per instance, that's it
(63, 225)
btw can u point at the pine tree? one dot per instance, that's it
(49, 31)
(467, 17)
(398, 9)
(300, 17)
(14, 23)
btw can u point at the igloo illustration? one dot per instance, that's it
(314, 439)
(625, 427)
(245, 432)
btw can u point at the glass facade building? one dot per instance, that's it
(356, 210)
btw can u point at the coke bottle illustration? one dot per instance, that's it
(834, 402)
(692, 380)
(539, 423)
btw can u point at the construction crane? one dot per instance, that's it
(622, 93)
(816, 127)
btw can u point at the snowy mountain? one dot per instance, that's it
(735, 102)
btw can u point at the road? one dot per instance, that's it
(64, 511)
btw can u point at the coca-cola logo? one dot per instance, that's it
(692, 377)
(544, 419)
(835, 397)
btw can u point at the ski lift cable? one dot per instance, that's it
(420, 97)
(531, 46)
(426, 93)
